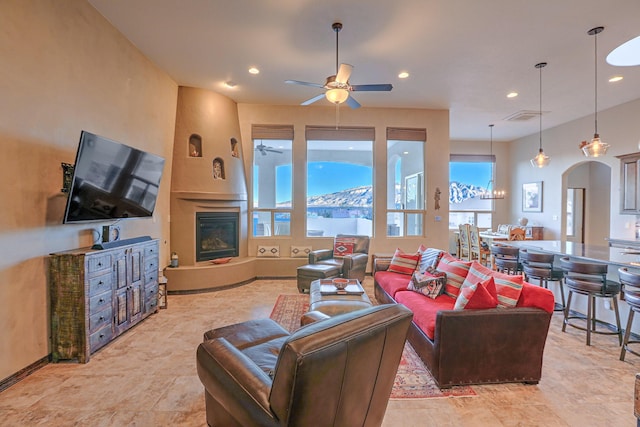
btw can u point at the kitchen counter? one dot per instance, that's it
(619, 256)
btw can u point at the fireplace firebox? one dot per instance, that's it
(216, 235)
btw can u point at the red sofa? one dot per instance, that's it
(482, 346)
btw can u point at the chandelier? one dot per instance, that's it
(540, 160)
(596, 147)
(491, 193)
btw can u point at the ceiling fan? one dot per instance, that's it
(263, 149)
(338, 88)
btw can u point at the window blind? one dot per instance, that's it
(329, 133)
(406, 134)
(272, 132)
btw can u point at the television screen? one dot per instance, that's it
(111, 181)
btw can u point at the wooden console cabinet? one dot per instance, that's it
(98, 294)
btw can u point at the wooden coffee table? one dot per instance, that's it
(333, 303)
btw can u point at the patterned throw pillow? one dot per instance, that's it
(300, 251)
(430, 257)
(404, 263)
(268, 251)
(476, 296)
(343, 246)
(430, 284)
(508, 286)
(456, 271)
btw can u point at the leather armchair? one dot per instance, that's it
(333, 372)
(351, 266)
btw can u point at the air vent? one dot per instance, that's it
(522, 116)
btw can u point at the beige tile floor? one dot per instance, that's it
(147, 377)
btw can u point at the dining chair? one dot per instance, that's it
(463, 239)
(475, 246)
(516, 233)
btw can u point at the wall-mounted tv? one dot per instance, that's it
(112, 181)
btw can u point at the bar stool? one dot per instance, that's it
(631, 282)
(505, 258)
(539, 266)
(590, 279)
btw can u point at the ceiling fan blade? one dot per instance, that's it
(271, 150)
(298, 82)
(314, 99)
(344, 72)
(372, 88)
(351, 102)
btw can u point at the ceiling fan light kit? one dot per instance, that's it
(338, 88)
(540, 160)
(596, 147)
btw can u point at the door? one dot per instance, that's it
(575, 215)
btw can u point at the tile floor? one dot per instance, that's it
(147, 377)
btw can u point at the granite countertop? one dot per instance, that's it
(625, 257)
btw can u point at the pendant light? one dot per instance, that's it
(491, 193)
(596, 147)
(540, 160)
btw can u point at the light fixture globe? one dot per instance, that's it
(596, 148)
(540, 160)
(337, 96)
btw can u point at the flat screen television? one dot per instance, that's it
(112, 181)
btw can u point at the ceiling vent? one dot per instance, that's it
(522, 116)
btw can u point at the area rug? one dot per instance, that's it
(413, 380)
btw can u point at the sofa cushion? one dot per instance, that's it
(425, 309)
(404, 263)
(429, 257)
(508, 286)
(456, 271)
(430, 283)
(476, 296)
(536, 296)
(392, 282)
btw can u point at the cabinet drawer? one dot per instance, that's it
(151, 263)
(150, 292)
(151, 305)
(98, 263)
(151, 277)
(100, 302)
(100, 338)
(151, 251)
(100, 319)
(100, 284)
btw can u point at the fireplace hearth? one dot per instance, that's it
(216, 235)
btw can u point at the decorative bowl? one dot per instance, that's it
(221, 260)
(340, 283)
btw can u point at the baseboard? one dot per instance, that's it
(23, 373)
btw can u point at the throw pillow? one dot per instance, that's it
(300, 251)
(476, 297)
(429, 257)
(268, 251)
(429, 284)
(508, 286)
(343, 246)
(456, 271)
(404, 263)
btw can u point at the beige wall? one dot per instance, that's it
(436, 160)
(620, 127)
(64, 69)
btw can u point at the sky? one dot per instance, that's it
(477, 174)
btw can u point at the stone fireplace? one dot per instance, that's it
(217, 235)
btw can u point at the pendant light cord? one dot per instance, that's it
(540, 111)
(596, 78)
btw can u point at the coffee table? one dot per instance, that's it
(332, 304)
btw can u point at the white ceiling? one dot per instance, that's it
(463, 55)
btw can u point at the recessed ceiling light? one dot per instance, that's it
(405, 152)
(512, 94)
(627, 54)
(230, 84)
(403, 75)
(254, 70)
(615, 79)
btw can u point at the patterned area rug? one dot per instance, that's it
(413, 380)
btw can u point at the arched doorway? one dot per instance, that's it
(586, 201)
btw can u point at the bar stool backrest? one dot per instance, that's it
(504, 251)
(631, 282)
(538, 258)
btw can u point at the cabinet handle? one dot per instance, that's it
(100, 283)
(99, 264)
(100, 300)
(101, 335)
(101, 318)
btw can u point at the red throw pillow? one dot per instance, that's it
(456, 271)
(343, 246)
(508, 286)
(404, 263)
(476, 297)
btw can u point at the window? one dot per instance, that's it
(339, 181)
(272, 180)
(405, 182)
(469, 176)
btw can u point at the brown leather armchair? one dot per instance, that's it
(333, 372)
(351, 266)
